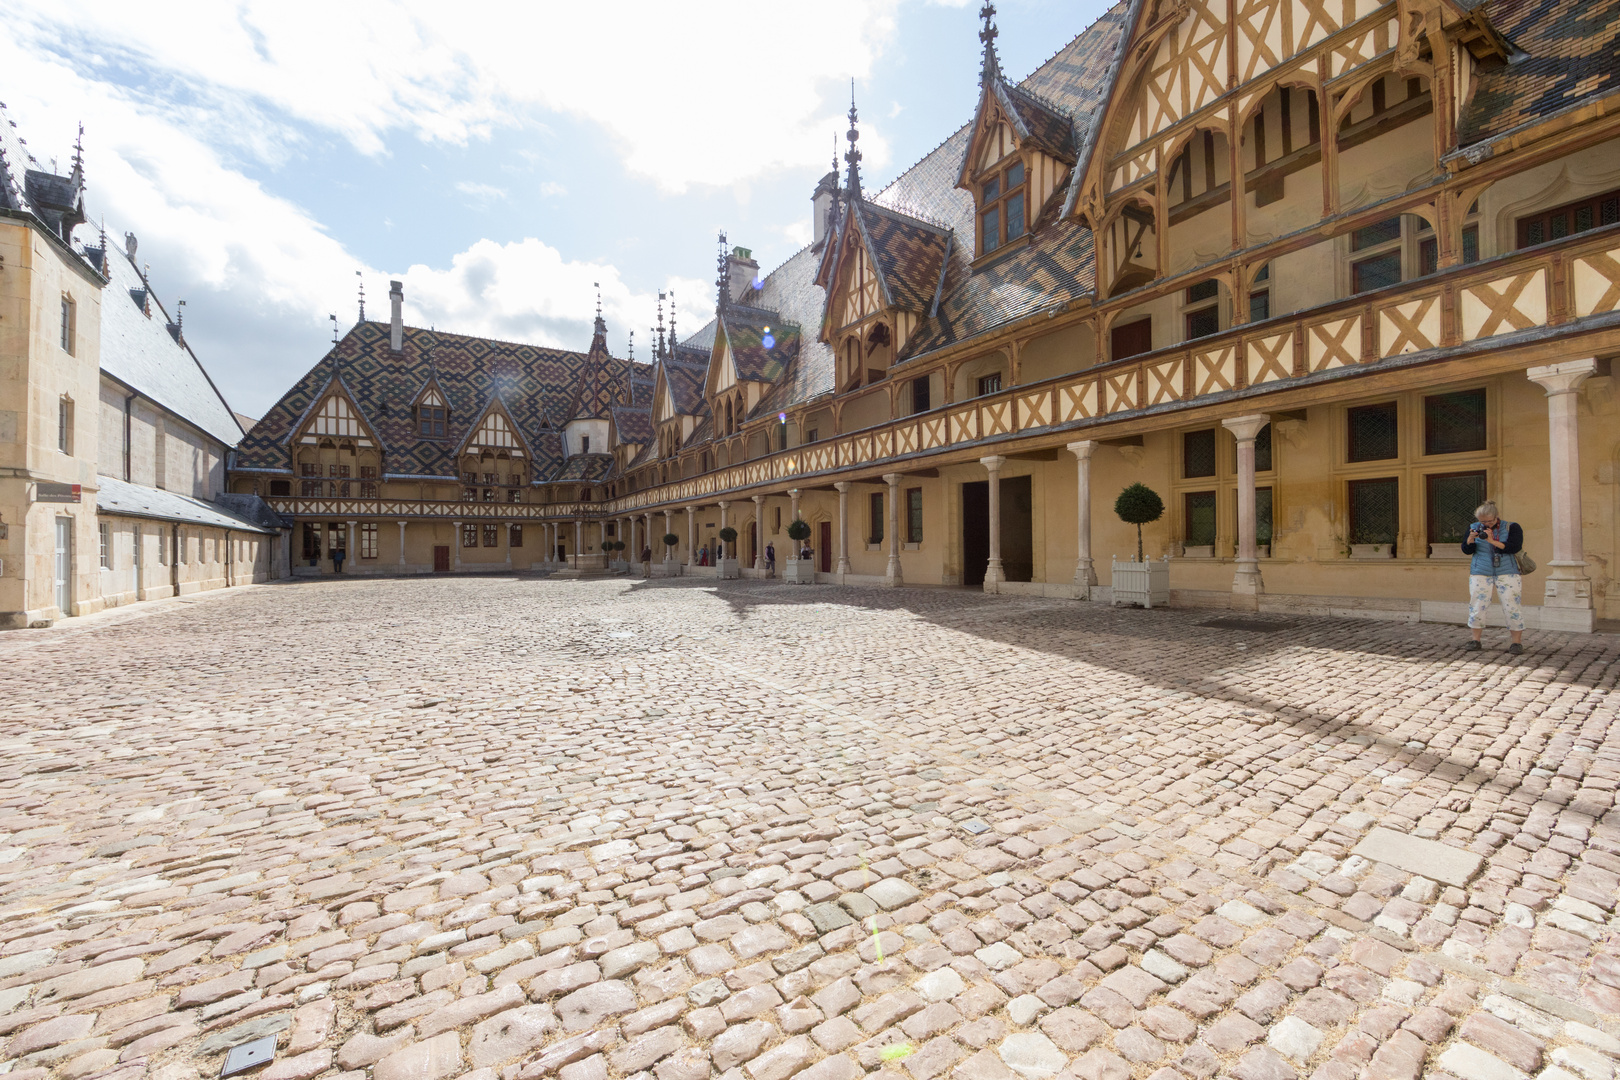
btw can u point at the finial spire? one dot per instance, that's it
(662, 352)
(362, 278)
(722, 281)
(333, 317)
(991, 68)
(601, 325)
(853, 155)
(672, 338)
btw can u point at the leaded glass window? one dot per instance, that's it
(1198, 453)
(1452, 499)
(1262, 450)
(1375, 513)
(1454, 423)
(1200, 511)
(1374, 432)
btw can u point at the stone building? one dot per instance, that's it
(112, 436)
(1324, 275)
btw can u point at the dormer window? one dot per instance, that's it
(584, 444)
(430, 421)
(1002, 212)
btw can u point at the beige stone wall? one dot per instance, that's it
(36, 374)
(164, 451)
(140, 563)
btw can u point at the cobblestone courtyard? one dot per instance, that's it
(512, 828)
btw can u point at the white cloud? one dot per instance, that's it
(240, 71)
(551, 189)
(481, 195)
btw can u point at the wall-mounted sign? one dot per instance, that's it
(56, 493)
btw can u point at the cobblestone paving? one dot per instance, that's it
(510, 828)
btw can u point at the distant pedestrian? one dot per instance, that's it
(338, 555)
(646, 554)
(770, 560)
(1494, 546)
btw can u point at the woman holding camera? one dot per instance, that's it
(1494, 545)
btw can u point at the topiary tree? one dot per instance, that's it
(670, 540)
(799, 531)
(728, 536)
(1139, 505)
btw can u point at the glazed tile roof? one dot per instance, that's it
(762, 343)
(1571, 54)
(632, 425)
(685, 382)
(140, 352)
(536, 384)
(791, 290)
(1048, 128)
(906, 252)
(590, 468)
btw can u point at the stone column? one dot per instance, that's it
(994, 575)
(759, 531)
(402, 543)
(1085, 571)
(1246, 583)
(354, 547)
(455, 544)
(1568, 587)
(842, 566)
(579, 543)
(667, 530)
(506, 538)
(691, 536)
(723, 508)
(794, 495)
(891, 576)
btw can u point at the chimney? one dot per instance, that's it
(743, 270)
(396, 318)
(821, 204)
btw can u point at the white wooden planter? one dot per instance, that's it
(1370, 551)
(667, 568)
(1144, 583)
(799, 571)
(728, 568)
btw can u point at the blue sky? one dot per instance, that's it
(500, 160)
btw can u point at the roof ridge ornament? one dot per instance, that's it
(722, 280)
(852, 156)
(362, 278)
(990, 69)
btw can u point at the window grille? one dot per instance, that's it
(1200, 512)
(368, 489)
(516, 534)
(1375, 516)
(1203, 322)
(914, 515)
(1454, 423)
(1198, 453)
(469, 536)
(491, 536)
(368, 539)
(875, 512)
(1590, 213)
(1381, 232)
(1452, 499)
(105, 531)
(1262, 516)
(1374, 432)
(309, 468)
(1260, 306)
(309, 489)
(1378, 272)
(990, 384)
(1262, 450)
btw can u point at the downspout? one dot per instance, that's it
(228, 554)
(128, 453)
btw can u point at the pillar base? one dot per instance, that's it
(1568, 586)
(1247, 586)
(994, 575)
(892, 575)
(842, 569)
(1085, 575)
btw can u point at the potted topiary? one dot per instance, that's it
(795, 570)
(616, 546)
(728, 566)
(668, 569)
(1140, 582)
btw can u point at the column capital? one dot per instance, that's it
(842, 486)
(1564, 378)
(758, 499)
(793, 493)
(1082, 449)
(724, 505)
(994, 462)
(689, 510)
(893, 478)
(1246, 428)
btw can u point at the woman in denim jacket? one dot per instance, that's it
(1493, 543)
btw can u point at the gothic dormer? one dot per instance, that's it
(334, 448)
(1020, 151)
(430, 411)
(494, 461)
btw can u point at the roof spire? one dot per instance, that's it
(722, 281)
(990, 70)
(601, 326)
(630, 349)
(853, 155)
(77, 175)
(362, 278)
(660, 353)
(180, 322)
(672, 338)
(333, 317)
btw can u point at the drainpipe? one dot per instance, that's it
(128, 453)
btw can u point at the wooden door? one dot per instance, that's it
(441, 559)
(824, 556)
(1131, 339)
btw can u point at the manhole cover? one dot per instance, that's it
(1258, 626)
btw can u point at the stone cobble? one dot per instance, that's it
(509, 828)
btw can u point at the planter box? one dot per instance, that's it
(667, 568)
(728, 569)
(1448, 551)
(1144, 583)
(799, 571)
(1262, 551)
(1196, 551)
(617, 565)
(1371, 551)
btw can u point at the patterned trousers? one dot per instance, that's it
(1509, 588)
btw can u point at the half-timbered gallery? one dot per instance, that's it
(1324, 274)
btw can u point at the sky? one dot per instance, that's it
(501, 160)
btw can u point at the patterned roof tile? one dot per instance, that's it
(1571, 53)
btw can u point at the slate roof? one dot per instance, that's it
(906, 252)
(1571, 54)
(536, 384)
(791, 291)
(140, 352)
(114, 496)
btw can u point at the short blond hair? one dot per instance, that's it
(1486, 509)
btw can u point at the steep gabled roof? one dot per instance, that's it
(535, 382)
(588, 468)
(762, 342)
(906, 252)
(633, 426)
(139, 352)
(1571, 54)
(685, 382)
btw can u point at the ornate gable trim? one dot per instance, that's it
(333, 412)
(495, 430)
